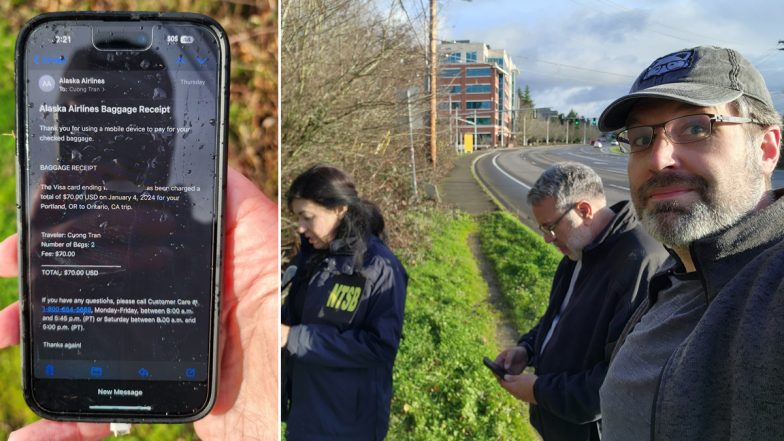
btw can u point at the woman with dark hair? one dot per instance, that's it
(343, 316)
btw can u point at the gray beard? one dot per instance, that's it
(677, 226)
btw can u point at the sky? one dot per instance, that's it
(583, 54)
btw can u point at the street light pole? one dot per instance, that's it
(476, 137)
(450, 118)
(433, 105)
(547, 137)
(411, 141)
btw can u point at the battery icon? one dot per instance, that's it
(186, 39)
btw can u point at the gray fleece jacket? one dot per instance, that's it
(726, 380)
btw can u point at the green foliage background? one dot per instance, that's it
(13, 410)
(252, 29)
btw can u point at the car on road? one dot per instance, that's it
(605, 140)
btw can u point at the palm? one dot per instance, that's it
(246, 407)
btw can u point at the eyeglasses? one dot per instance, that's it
(681, 130)
(549, 230)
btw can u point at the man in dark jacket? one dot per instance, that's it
(608, 263)
(703, 356)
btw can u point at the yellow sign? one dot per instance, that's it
(468, 142)
(344, 298)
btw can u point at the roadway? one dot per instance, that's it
(510, 173)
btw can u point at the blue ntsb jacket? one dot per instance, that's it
(346, 324)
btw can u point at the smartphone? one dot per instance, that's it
(121, 165)
(497, 369)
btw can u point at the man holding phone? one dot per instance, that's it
(607, 263)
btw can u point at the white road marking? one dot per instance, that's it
(507, 174)
(588, 158)
(609, 170)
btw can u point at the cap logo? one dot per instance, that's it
(669, 63)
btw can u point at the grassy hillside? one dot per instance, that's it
(523, 263)
(442, 390)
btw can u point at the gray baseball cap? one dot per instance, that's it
(702, 76)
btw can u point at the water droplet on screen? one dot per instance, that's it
(159, 94)
(145, 64)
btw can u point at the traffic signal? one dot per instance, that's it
(593, 122)
(577, 122)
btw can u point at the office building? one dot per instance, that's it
(477, 85)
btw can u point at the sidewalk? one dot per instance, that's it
(460, 190)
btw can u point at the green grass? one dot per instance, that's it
(442, 390)
(13, 410)
(524, 266)
(7, 177)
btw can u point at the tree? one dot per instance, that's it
(345, 68)
(525, 98)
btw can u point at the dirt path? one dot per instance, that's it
(459, 189)
(505, 332)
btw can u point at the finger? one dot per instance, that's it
(9, 325)
(8, 257)
(243, 197)
(506, 359)
(55, 431)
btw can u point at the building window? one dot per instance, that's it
(479, 88)
(484, 105)
(481, 121)
(453, 57)
(445, 105)
(470, 57)
(456, 105)
(450, 73)
(454, 89)
(478, 72)
(498, 61)
(484, 139)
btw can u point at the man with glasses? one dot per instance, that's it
(608, 262)
(703, 356)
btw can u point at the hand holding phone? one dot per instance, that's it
(497, 369)
(250, 326)
(121, 123)
(516, 358)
